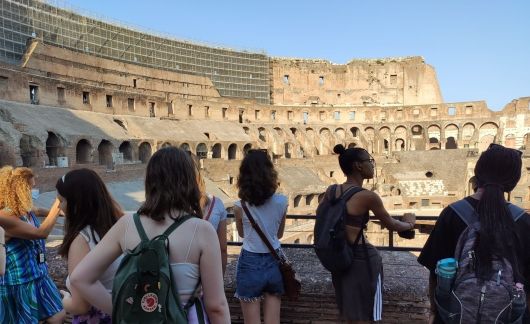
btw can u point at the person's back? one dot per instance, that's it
(498, 235)
(185, 247)
(193, 248)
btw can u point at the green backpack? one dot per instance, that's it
(143, 290)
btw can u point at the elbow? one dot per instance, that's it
(218, 312)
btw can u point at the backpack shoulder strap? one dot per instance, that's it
(516, 211)
(179, 221)
(140, 228)
(465, 211)
(346, 195)
(169, 230)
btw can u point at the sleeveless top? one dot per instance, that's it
(107, 278)
(22, 257)
(185, 274)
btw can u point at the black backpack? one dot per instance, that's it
(472, 300)
(331, 246)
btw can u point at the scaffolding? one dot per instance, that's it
(234, 73)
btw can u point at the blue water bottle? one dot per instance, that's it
(518, 303)
(445, 275)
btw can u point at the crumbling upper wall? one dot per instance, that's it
(391, 81)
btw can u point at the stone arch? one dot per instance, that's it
(325, 140)
(340, 133)
(246, 148)
(399, 144)
(7, 154)
(83, 152)
(450, 143)
(309, 239)
(352, 145)
(127, 151)
(526, 141)
(217, 150)
(29, 150)
(144, 152)
(310, 200)
(296, 201)
(262, 134)
(246, 130)
(54, 148)
(468, 130)
(434, 133)
(185, 147)
(279, 132)
(369, 133)
(384, 134)
(417, 130)
(201, 151)
(289, 150)
(451, 130)
(105, 149)
(487, 134)
(166, 144)
(232, 151)
(355, 131)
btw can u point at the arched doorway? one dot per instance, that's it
(185, 147)
(450, 143)
(217, 149)
(232, 151)
(54, 148)
(202, 151)
(127, 151)
(246, 148)
(144, 152)
(29, 150)
(83, 152)
(105, 149)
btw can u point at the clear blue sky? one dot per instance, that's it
(480, 48)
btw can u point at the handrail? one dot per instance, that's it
(389, 247)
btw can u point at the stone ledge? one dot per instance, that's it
(405, 288)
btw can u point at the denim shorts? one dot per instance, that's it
(257, 273)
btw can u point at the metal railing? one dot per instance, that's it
(391, 243)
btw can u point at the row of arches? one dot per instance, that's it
(310, 200)
(105, 153)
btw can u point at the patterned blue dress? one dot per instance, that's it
(27, 293)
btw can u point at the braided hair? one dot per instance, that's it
(497, 171)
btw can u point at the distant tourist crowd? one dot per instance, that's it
(165, 263)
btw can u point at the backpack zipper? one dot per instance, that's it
(481, 302)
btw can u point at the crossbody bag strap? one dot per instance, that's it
(260, 232)
(210, 209)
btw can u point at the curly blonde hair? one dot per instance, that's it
(15, 189)
(5, 175)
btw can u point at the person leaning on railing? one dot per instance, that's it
(358, 290)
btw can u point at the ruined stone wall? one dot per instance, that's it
(399, 81)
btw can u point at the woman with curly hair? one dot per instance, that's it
(27, 293)
(90, 212)
(258, 275)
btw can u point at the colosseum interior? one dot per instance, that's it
(80, 92)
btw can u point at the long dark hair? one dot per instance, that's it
(497, 171)
(348, 156)
(171, 185)
(257, 180)
(88, 203)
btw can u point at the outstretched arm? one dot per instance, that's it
(375, 204)
(15, 227)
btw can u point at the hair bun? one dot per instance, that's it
(339, 149)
